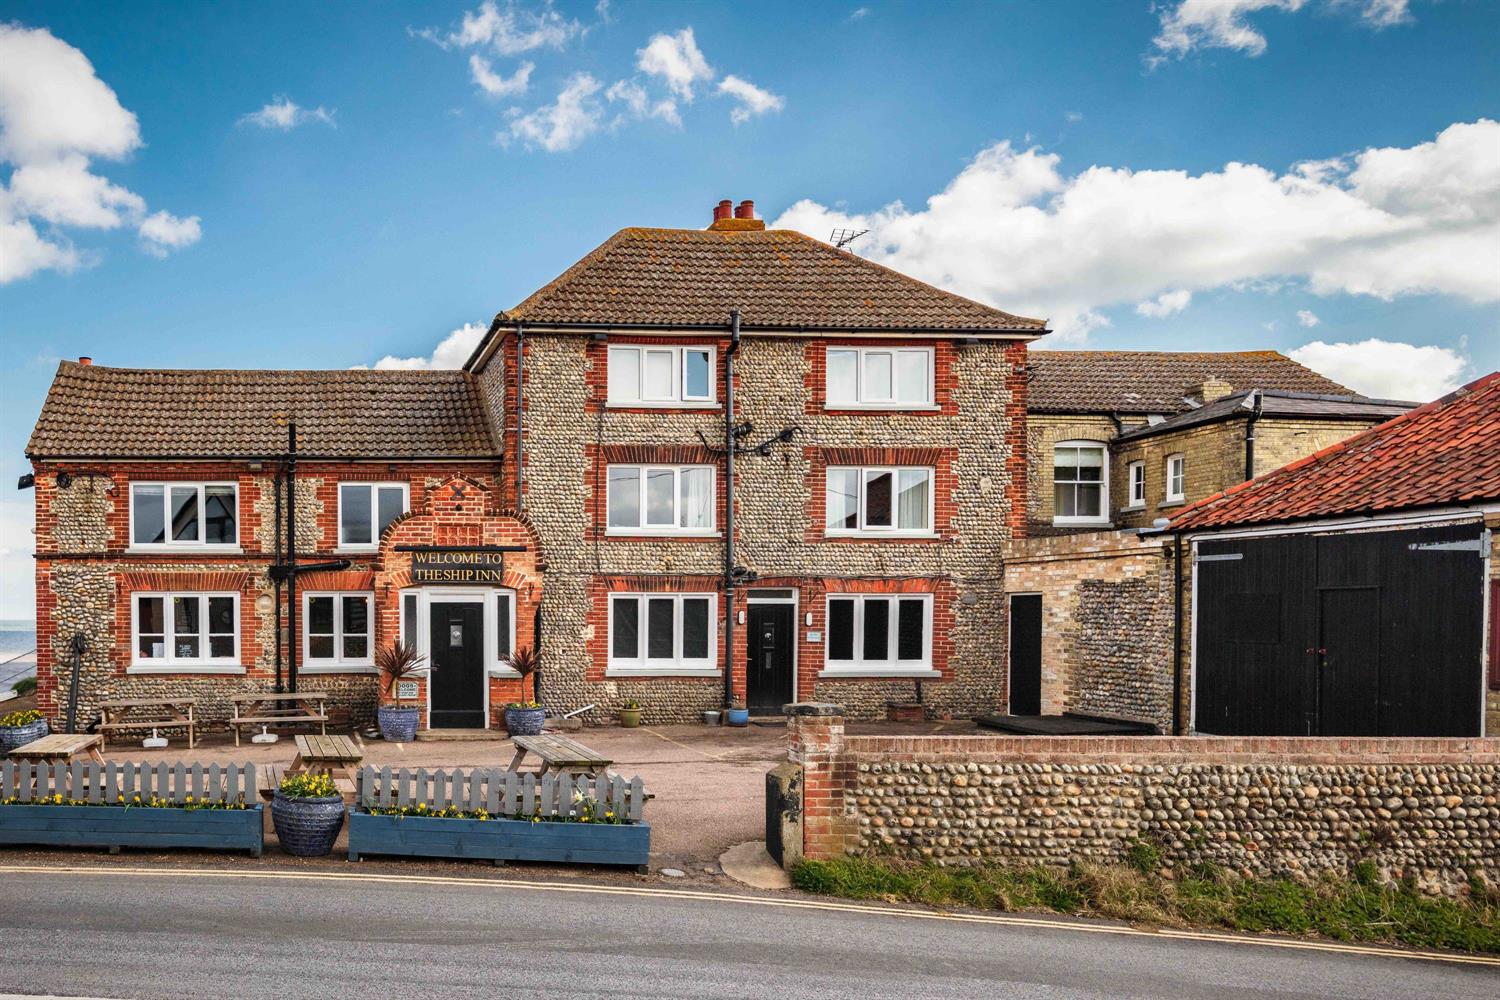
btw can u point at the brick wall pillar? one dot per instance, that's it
(815, 739)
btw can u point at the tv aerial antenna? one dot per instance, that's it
(843, 237)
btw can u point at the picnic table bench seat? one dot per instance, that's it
(559, 753)
(123, 715)
(265, 709)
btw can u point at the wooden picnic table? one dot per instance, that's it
(338, 756)
(62, 748)
(558, 753)
(269, 709)
(139, 714)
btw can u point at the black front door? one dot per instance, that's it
(457, 665)
(772, 632)
(1026, 654)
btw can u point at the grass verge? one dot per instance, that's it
(1354, 908)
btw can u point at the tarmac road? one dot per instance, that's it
(162, 932)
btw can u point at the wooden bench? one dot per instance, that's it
(62, 748)
(558, 753)
(289, 709)
(143, 714)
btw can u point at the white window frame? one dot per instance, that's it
(677, 666)
(1103, 516)
(374, 543)
(660, 529)
(883, 531)
(861, 400)
(1135, 485)
(679, 396)
(170, 663)
(198, 545)
(337, 663)
(1179, 460)
(892, 667)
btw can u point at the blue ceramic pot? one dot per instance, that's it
(738, 716)
(18, 736)
(525, 721)
(307, 827)
(398, 725)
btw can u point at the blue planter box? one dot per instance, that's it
(499, 839)
(116, 827)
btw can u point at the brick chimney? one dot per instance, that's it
(1214, 388)
(731, 219)
(85, 360)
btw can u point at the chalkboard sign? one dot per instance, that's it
(457, 567)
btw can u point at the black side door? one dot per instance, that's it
(772, 631)
(457, 681)
(1026, 654)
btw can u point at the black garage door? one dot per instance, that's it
(1353, 634)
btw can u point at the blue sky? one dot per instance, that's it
(1079, 153)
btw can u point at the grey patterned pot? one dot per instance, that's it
(398, 725)
(525, 721)
(307, 827)
(18, 736)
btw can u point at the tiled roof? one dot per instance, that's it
(776, 278)
(97, 412)
(1446, 452)
(1157, 381)
(1276, 403)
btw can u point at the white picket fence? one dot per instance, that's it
(93, 782)
(500, 792)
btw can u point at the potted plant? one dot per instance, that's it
(308, 812)
(524, 718)
(398, 662)
(630, 714)
(737, 714)
(19, 728)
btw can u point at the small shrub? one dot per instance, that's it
(1144, 856)
(24, 686)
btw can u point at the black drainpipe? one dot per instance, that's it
(1250, 435)
(1177, 639)
(520, 406)
(729, 443)
(276, 490)
(291, 555)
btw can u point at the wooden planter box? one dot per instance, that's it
(115, 827)
(499, 840)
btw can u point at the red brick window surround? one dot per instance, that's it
(881, 376)
(686, 475)
(870, 479)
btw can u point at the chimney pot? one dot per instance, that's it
(723, 210)
(746, 210)
(85, 360)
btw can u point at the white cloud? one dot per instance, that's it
(1387, 369)
(676, 60)
(452, 352)
(56, 115)
(639, 104)
(1073, 117)
(753, 101)
(562, 125)
(1014, 230)
(1223, 24)
(164, 232)
(1306, 317)
(286, 114)
(493, 83)
(1165, 304)
(859, 13)
(509, 31)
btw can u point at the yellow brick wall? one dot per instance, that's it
(1044, 430)
(1215, 460)
(1279, 442)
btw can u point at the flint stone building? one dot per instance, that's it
(700, 466)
